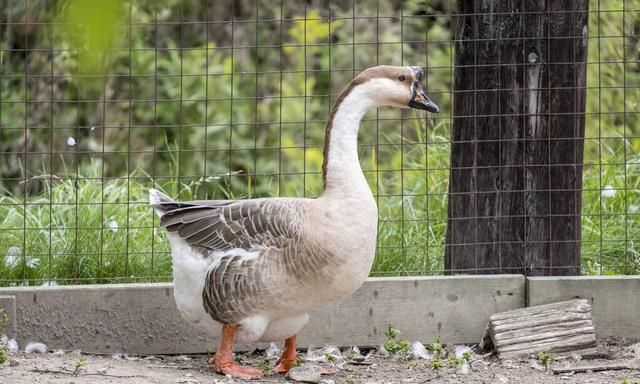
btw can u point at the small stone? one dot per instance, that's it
(13, 363)
(535, 365)
(102, 370)
(508, 364)
(305, 374)
(327, 381)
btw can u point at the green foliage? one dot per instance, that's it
(104, 235)
(437, 365)
(96, 29)
(4, 318)
(545, 359)
(610, 223)
(437, 349)
(264, 366)
(196, 143)
(78, 365)
(395, 346)
(456, 362)
(3, 354)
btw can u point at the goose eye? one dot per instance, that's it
(401, 77)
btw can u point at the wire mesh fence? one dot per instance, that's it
(228, 100)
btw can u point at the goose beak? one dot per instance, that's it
(420, 100)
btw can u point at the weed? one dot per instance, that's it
(437, 348)
(545, 359)
(4, 318)
(78, 364)
(454, 362)
(3, 354)
(394, 346)
(349, 379)
(330, 357)
(351, 353)
(265, 366)
(239, 359)
(437, 365)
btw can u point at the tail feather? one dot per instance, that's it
(160, 202)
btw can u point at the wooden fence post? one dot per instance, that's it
(518, 130)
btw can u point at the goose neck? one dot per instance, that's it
(341, 167)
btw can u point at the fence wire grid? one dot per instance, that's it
(214, 100)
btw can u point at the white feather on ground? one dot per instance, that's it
(463, 369)
(322, 354)
(272, 352)
(419, 351)
(11, 345)
(35, 347)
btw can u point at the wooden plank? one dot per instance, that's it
(544, 320)
(512, 335)
(631, 365)
(614, 299)
(579, 346)
(143, 319)
(557, 327)
(539, 310)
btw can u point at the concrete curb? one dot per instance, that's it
(615, 300)
(143, 319)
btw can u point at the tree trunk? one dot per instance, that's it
(516, 158)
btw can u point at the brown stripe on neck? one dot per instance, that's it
(327, 136)
(381, 71)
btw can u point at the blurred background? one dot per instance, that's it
(206, 99)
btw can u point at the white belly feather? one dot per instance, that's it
(189, 272)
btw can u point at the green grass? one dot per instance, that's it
(611, 215)
(83, 230)
(89, 230)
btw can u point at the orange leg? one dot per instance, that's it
(223, 360)
(288, 359)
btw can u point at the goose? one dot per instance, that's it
(259, 266)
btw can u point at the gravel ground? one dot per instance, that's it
(53, 368)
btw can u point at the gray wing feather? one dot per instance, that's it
(226, 225)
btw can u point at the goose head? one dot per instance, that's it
(394, 86)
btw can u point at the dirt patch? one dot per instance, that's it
(77, 368)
